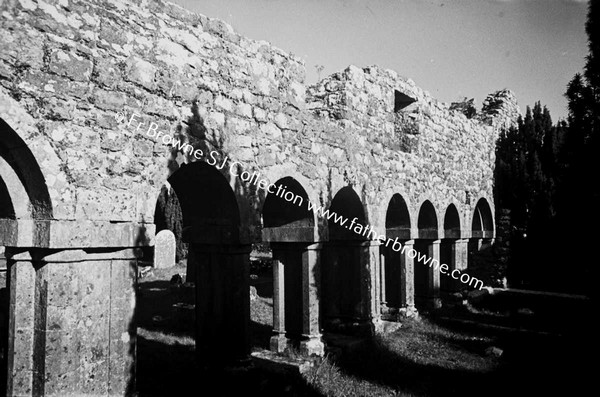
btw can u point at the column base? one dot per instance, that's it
(278, 343)
(408, 312)
(313, 346)
(384, 308)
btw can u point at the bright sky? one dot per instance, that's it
(451, 48)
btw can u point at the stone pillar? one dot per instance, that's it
(460, 252)
(311, 335)
(21, 368)
(278, 340)
(407, 280)
(368, 282)
(381, 282)
(222, 304)
(433, 251)
(71, 322)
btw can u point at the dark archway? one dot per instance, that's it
(289, 227)
(397, 225)
(15, 152)
(293, 213)
(427, 247)
(482, 234)
(448, 252)
(482, 225)
(342, 300)
(211, 226)
(23, 195)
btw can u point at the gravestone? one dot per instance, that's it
(164, 249)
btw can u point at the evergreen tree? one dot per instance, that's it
(579, 192)
(524, 184)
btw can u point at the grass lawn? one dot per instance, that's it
(420, 359)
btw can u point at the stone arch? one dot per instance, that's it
(394, 265)
(211, 226)
(450, 249)
(386, 200)
(427, 221)
(346, 203)
(398, 216)
(482, 223)
(210, 210)
(482, 231)
(289, 227)
(452, 225)
(426, 278)
(278, 174)
(290, 212)
(23, 177)
(343, 301)
(23, 197)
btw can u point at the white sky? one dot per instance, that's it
(451, 48)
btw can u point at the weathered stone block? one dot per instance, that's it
(70, 65)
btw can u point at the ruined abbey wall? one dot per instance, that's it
(78, 185)
(67, 68)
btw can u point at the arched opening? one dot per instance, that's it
(397, 226)
(482, 225)
(290, 213)
(482, 234)
(211, 223)
(448, 249)
(15, 153)
(23, 195)
(427, 278)
(288, 226)
(343, 301)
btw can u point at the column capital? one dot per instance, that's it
(314, 247)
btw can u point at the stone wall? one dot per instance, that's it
(81, 187)
(68, 67)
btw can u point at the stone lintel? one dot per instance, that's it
(74, 234)
(288, 234)
(400, 233)
(72, 255)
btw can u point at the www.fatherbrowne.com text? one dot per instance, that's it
(214, 158)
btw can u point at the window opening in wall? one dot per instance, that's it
(405, 121)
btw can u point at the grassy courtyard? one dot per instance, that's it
(423, 358)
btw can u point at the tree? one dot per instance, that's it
(579, 192)
(525, 184)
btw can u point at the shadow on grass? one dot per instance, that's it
(170, 370)
(448, 364)
(166, 309)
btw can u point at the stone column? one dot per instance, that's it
(407, 280)
(433, 251)
(369, 274)
(460, 252)
(22, 368)
(71, 325)
(278, 340)
(381, 282)
(311, 334)
(222, 304)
